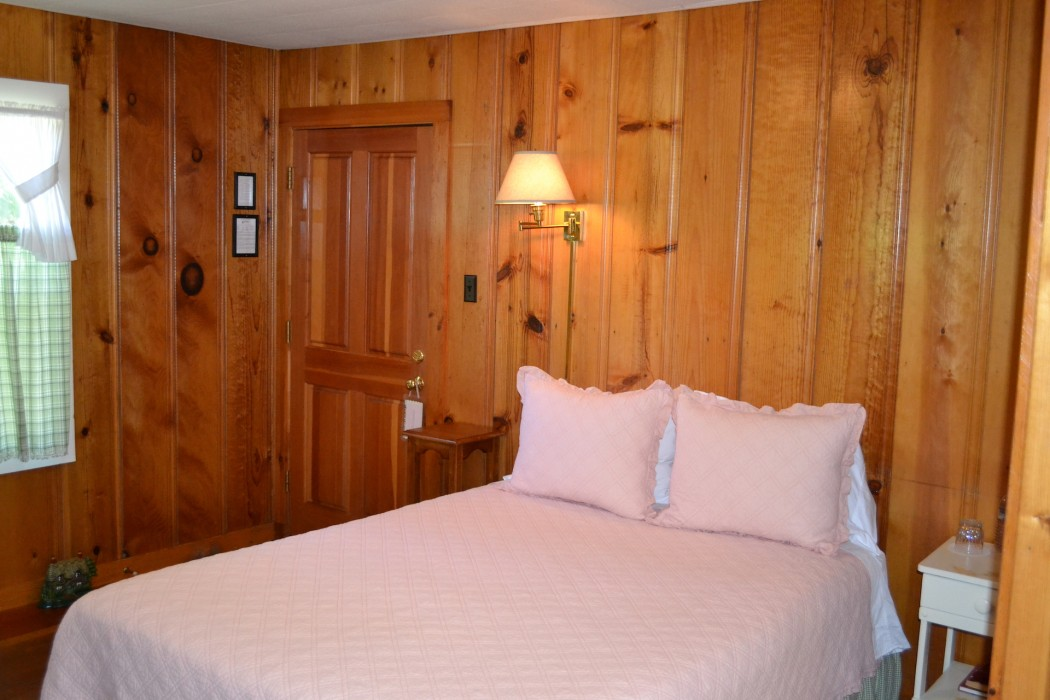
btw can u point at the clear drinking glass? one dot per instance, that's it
(970, 538)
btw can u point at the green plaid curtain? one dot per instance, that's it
(35, 354)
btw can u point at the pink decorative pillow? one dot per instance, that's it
(588, 445)
(778, 475)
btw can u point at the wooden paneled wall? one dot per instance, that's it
(790, 200)
(970, 195)
(173, 390)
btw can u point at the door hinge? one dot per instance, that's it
(288, 332)
(291, 177)
(288, 481)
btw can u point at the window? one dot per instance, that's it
(36, 247)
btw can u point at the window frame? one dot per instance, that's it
(48, 95)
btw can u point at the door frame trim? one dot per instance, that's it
(436, 113)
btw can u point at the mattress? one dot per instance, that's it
(480, 594)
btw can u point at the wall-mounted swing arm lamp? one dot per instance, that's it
(536, 178)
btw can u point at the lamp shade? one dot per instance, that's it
(535, 177)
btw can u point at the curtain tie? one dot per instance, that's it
(38, 184)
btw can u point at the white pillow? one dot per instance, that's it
(861, 509)
(664, 461)
(587, 445)
(779, 475)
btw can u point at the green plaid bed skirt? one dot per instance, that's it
(885, 684)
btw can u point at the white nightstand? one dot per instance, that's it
(958, 592)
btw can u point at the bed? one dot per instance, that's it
(500, 591)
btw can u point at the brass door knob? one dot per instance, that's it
(418, 356)
(416, 383)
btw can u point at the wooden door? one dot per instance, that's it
(359, 306)
(1021, 649)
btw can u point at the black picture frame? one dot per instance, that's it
(244, 190)
(245, 236)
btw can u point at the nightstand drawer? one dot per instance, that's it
(943, 599)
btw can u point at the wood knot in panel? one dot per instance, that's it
(663, 249)
(104, 105)
(626, 383)
(631, 127)
(523, 58)
(89, 200)
(192, 279)
(132, 99)
(431, 62)
(505, 270)
(106, 337)
(875, 65)
(534, 324)
(520, 131)
(649, 25)
(151, 246)
(568, 91)
(197, 154)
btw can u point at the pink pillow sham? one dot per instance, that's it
(777, 475)
(588, 445)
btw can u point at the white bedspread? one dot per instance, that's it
(481, 594)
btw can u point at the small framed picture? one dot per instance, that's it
(245, 236)
(244, 190)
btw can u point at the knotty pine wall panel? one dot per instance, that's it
(786, 196)
(960, 325)
(147, 287)
(173, 394)
(649, 90)
(865, 169)
(707, 274)
(472, 167)
(587, 120)
(763, 186)
(250, 337)
(523, 284)
(92, 494)
(200, 292)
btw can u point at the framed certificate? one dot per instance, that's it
(245, 236)
(244, 190)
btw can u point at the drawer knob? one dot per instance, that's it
(983, 606)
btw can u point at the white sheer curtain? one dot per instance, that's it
(29, 160)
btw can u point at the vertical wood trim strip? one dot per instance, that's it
(609, 181)
(221, 170)
(674, 195)
(734, 378)
(119, 475)
(170, 217)
(820, 158)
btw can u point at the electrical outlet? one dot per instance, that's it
(470, 288)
